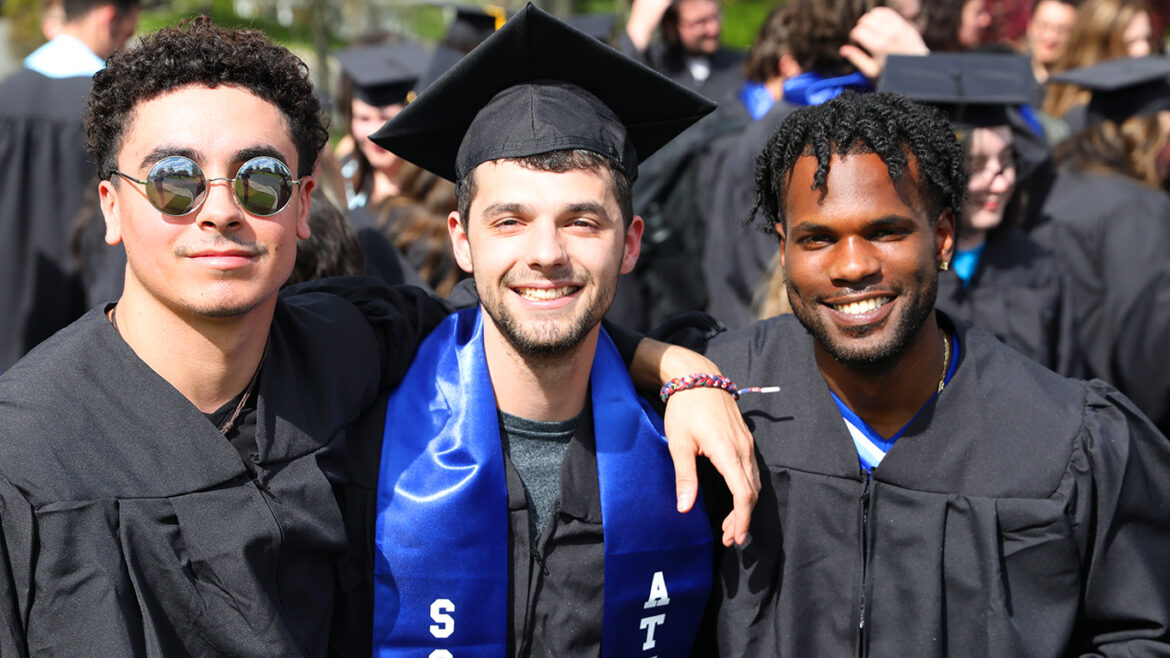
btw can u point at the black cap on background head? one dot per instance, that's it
(383, 75)
(537, 85)
(1123, 88)
(472, 25)
(598, 26)
(974, 90)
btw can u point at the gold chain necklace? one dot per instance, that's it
(942, 378)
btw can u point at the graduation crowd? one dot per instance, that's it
(410, 393)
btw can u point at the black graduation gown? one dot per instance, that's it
(1021, 294)
(45, 173)
(1112, 234)
(669, 279)
(1140, 356)
(738, 256)
(382, 259)
(1021, 514)
(726, 67)
(130, 527)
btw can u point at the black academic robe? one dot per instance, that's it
(1140, 357)
(725, 79)
(382, 259)
(1021, 514)
(1112, 234)
(42, 184)
(737, 257)
(1021, 294)
(130, 527)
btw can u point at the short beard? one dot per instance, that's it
(544, 345)
(885, 356)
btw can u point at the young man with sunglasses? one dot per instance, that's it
(189, 470)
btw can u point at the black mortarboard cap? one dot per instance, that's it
(974, 90)
(472, 25)
(1123, 88)
(383, 75)
(598, 26)
(537, 85)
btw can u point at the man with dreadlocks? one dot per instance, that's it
(926, 490)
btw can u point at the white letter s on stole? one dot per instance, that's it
(446, 623)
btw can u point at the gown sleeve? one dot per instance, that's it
(17, 536)
(1122, 503)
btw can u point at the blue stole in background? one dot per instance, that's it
(441, 560)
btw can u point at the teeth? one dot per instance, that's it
(857, 308)
(545, 293)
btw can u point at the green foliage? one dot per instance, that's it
(297, 35)
(742, 20)
(24, 26)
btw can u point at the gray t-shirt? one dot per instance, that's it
(537, 449)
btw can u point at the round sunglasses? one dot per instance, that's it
(176, 185)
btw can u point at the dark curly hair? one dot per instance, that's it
(883, 123)
(198, 52)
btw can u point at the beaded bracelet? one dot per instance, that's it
(698, 380)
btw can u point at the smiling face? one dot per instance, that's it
(365, 120)
(546, 250)
(1049, 29)
(992, 179)
(699, 24)
(217, 261)
(861, 257)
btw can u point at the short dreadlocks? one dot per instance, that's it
(198, 52)
(886, 124)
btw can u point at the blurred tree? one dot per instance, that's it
(24, 21)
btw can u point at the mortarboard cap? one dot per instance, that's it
(537, 85)
(974, 90)
(472, 25)
(383, 75)
(1123, 88)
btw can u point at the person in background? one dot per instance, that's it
(1103, 30)
(1048, 35)
(392, 203)
(42, 144)
(1108, 216)
(689, 51)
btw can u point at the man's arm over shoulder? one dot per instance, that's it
(401, 316)
(1126, 512)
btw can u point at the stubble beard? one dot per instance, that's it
(879, 358)
(549, 340)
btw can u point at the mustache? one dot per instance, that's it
(222, 243)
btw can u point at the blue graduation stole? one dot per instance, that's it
(441, 532)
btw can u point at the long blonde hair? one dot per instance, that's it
(1096, 35)
(1129, 148)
